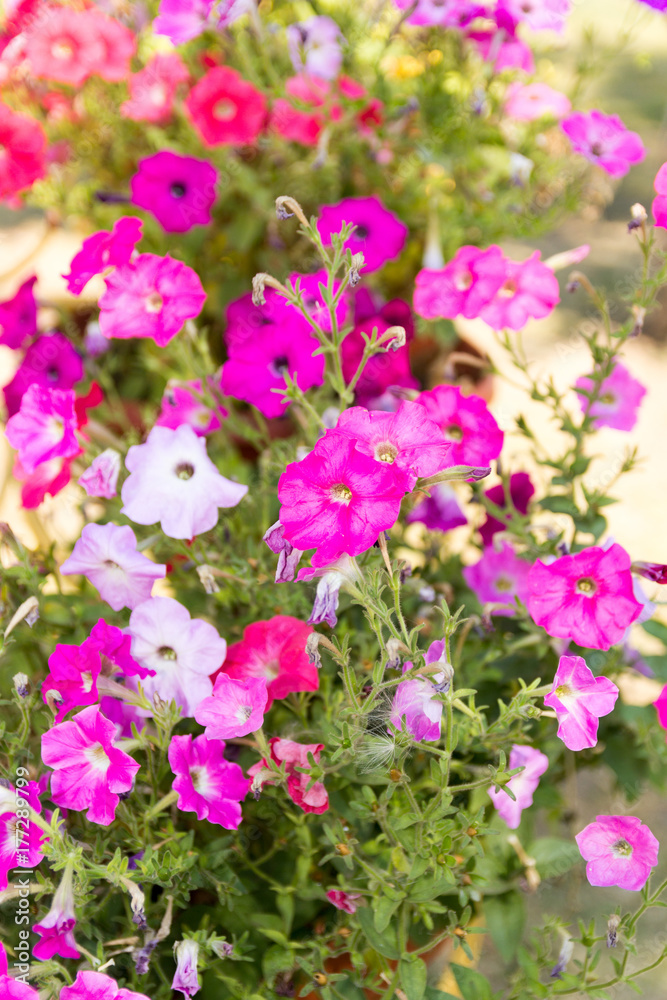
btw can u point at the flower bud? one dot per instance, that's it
(612, 930)
(355, 267)
(21, 685)
(564, 957)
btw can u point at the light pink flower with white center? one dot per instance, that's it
(183, 652)
(618, 399)
(619, 850)
(44, 428)
(535, 100)
(235, 708)
(89, 770)
(97, 986)
(498, 578)
(101, 477)
(415, 701)
(106, 554)
(346, 901)
(522, 785)
(207, 784)
(56, 930)
(20, 845)
(579, 699)
(173, 481)
(408, 440)
(530, 291)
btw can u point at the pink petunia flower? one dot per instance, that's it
(295, 125)
(498, 578)
(181, 404)
(72, 678)
(106, 554)
(587, 598)
(183, 20)
(10, 988)
(314, 46)
(50, 362)
(89, 770)
(660, 203)
(153, 89)
(97, 986)
(337, 500)
(619, 850)
(182, 652)
(522, 785)
(539, 15)
(661, 708)
(101, 477)
(382, 371)
(235, 708)
(536, 100)
(579, 699)
(22, 152)
(56, 929)
(44, 428)
(172, 480)
(466, 422)
(186, 980)
(108, 248)
(346, 901)
(275, 650)
(18, 315)
(150, 297)
(178, 190)
(245, 320)
(521, 491)
(118, 45)
(293, 755)
(502, 50)
(407, 441)
(226, 109)
(463, 287)
(63, 48)
(313, 300)
(529, 291)
(440, 511)
(378, 234)
(20, 842)
(207, 784)
(617, 402)
(604, 140)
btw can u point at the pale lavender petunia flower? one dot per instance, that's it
(314, 46)
(522, 785)
(185, 979)
(101, 477)
(235, 708)
(415, 700)
(619, 850)
(332, 578)
(579, 699)
(617, 402)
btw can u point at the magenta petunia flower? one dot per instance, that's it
(521, 491)
(503, 51)
(172, 480)
(619, 850)
(617, 402)
(226, 109)
(382, 371)
(346, 901)
(178, 190)
(498, 578)
(337, 500)
(313, 300)
(10, 988)
(466, 422)
(276, 650)
(106, 554)
(112, 248)
(183, 20)
(522, 785)
(533, 101)
(150, 297)
(186, 980)
(579, 699)
(235, 708)
(44, 428)
(56, 929)
(244, 320)
(604, 140)
(659, 203)
(529, 291)
(313, 799)
(89, 771)
(182, 651)
(97, 986)
(20, 843)
(661, 708)
(101, 477)
(540, 15)
(72, 678)
(314, 47)
(463, 287)
(407, 441)
(207, 784)
(153, 89)
(22, 152)
(440, 511)
(181, 405)
(18, 315)
(379, 234)
(587, 598)
(50, 362)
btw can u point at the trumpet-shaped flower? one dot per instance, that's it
(463, 287)
(466, 423)
(56, 929)
(619, 850)
(579, 699)
(235, 708)
(44, 428)
(522, 785)
(207, 784)
(185, 979)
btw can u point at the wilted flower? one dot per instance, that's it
(293, 755)
(185, 978)
(101, 476)
(346, 901)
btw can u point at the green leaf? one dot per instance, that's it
(384, 911)
(473, 985)
(386, 943)
(505, 918)
(434, 994)
(276, 959)
(412, 972)
(553, 856)
(560, 505)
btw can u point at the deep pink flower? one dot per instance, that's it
(182, 20)
(20, 844)
(533, 101)
(178, 190)
(382, 371)
(522, 785)
(51, 362)
(172, 480)
(276, 650)
(108, 248)
(72, 678)
(314, 46)
(311, 800)
(521, 490)
(44, 428)
(295, 125)
(660, 203)
(245, 320)
(150, 297)
(22, 152)
(587, 598)
(313, 300)
(579, 699)
(97, 986)
(56, 929)
(89, 770)
(463, 287)
(106, 554)
(440, 511)
(337, 500)
(617, 402)
(207, 784)
(10, 988)
(181, 405)
(619, 850)
(506, 51)
(183, 652)
(115, 651)
(499, 577)
(466, 422)
(661, 708)
(18, 315)
(101, 477)
(529, 291)
(604, 140)
(48, 478)
(656, 572)
(346, 901)
(235, 708)
(152, 89)
(64, 47)
(407, 441)
(379, 234)
(225, 108)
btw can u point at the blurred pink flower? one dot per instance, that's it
(619, 850)
(108, 248)
(10, 988)
(440, 511)
(499, 577)
(50, 362)
(183, 20)
(207, 784)
(44, 428)
(382, 371)
(529, 291)
(617, 402)
(63, 48)
(659, 203)
(23, 156)
(522, 785)
(579, 699)
(152, 89)
(181, 405)
(293, 755)
(226, 109)
(463, 287)
(314, 46)
(101, 477)
(533, 101)
(18, 315)
(235, 708)
(178, 190)
(97, 986)
(20, 844)
(379, 234)
(539, 15)
(466, 422)
(604, 140)
(346, 901)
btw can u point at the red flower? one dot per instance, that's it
(22, 152)
(224, 108)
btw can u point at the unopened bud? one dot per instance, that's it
(394, 647)
(22, 685)
(393, 338)
(639, 313)
(320, 979)
(656, 572)
(286, 207)
(638, 213)
(355, 267)
(612, 930)
(343, 850)
(564, 957)
(223, 949)
(568, 258)
(54, 700)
